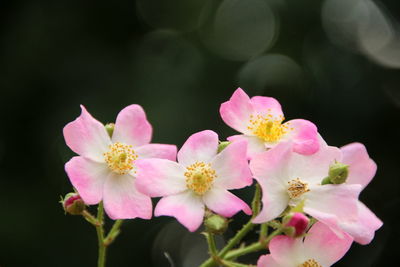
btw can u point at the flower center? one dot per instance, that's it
(200, 177)
(120, 158)
(267, 127)
(297, 188)
(310, 263)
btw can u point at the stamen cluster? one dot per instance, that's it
(200, 177)
(120, 158)
(267, 127)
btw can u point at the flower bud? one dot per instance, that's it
(338, 173)
(73, 204)
(110, 128)
(295, 224)
(216, 224)
(223, 145)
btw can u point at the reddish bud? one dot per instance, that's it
(298, 222)
(73, 204)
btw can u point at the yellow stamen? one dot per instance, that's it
(200, 177)
(268, 128)
(120, 158)
(297, 188)
(310, 263)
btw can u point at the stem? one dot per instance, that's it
(255, 204)
(253, 247)
(90, 218)
(114, 232)
(211, 244)
(234, 264)
(263, 232)
(100, 236)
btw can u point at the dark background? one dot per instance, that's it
(334, 62)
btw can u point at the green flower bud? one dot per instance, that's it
(73, 204)
(223, 145)
(110, 128)
(216, 224)
(338, 173)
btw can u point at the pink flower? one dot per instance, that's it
(200, 178)
(105, 169)
(260, 120)
(361, 171)
(289, 178)
(321, 248)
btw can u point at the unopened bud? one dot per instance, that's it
(338, 173)
(223, 145)
(295, 224)
(73, 204)
(216, 224)
(110, 128)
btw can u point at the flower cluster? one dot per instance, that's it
(309, 189)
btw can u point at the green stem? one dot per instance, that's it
(263, 232)
(257, 246)
(255, 204)
(100, 236)
(234, 264)
(211, 244)
(114, 232)
(90, 218)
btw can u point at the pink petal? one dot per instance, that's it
(304, 136)
(88, 178)
(266, 105)
(123, 201)
(324, 245)
(272, 164)
(363, 229)
(224, 203)
(161, 151)
(267, 261)
(361, 168)
(286, 251)
(255, 145)
(159, 177)
(132, 127)
(313, 168)
(270, 170)
(274, 200)
(87, 137)
(236, 112)
(338, 200)
(186, 207)
(232, 168)
(201, 146)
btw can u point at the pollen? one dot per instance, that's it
(200, 177)
(120, 158)
(310, 263)
(268, 128)
(297, 188)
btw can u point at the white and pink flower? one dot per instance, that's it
(201, 178)
(320, 248)
(289, 178)
(361, 171)
(260, 120)
(105, 168)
